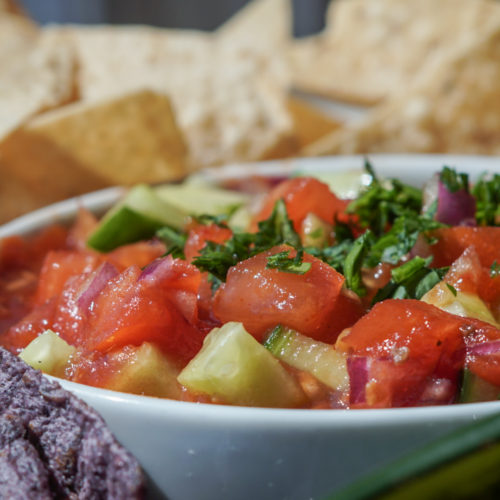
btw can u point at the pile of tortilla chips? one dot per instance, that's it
(429, 69)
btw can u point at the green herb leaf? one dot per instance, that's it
(452, 289)
(354, 262)
(412, 280)
(283, 262)
(400, 239)
(217, 258)
(174, 241)
(276, 230)
(378, 206)
(494, 269)
(207, 219)
(453, 180)
(487, 194)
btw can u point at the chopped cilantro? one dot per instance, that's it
(354, 262)
(412, 280)
(379, 205)
(283, 262)
(278, 229)
(275, 230)
(453, 180)
(174, 241)
(487, 194)
(217, 258)
(400, 239)
(219, 220)
(452, 289)
(494, 269)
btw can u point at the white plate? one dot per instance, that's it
(197, 451)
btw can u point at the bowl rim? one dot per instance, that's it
(276, 418)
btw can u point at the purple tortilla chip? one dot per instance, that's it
(53, 445)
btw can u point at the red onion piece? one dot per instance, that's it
(150, 269)
(485, 348)
(96, 283)
(357, 368)
(455, 209)
(439, 391)
(179, 281)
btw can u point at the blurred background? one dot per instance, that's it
(194, 14)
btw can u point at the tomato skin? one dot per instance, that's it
(58, 267)
(303, 195)
(199, 235)
(262, 298)
(410, 343)
(453, 241)
(18, 336)
(139, 254)
(158, 305)
(481, 360)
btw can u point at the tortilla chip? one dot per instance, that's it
(453, 107)
(35, 74)
(310, 124)
(372, 49)
(264, 24)
(82, 147)
(229, 101)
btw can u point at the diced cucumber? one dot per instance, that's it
(314, 231)
(195, 199)
(346, 184)
(48, 353)
(304, 353)
(475, 389)
(147, 371)
(461, 465)
(138, 216)
(462, 303)
(233, 366)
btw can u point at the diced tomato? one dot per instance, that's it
(33, 324)
(139, 254)
(58, 267)
(199, 235)
(304, 195)
(453, 241)
(410, 344)
(17, 252)
(262, 298)
(79, 233)
(483, 350)
(132, 309)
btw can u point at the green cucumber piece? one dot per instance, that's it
(234, 367)
(475, 389)
(148, 372)
(48, 352)
(304, 353)
(196, 199)
(462, 465)
(138, 216)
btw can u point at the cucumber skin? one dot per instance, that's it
(475, 389)
(126, 227)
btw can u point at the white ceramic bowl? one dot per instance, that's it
(203, 452)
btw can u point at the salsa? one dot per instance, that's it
(289, 297)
